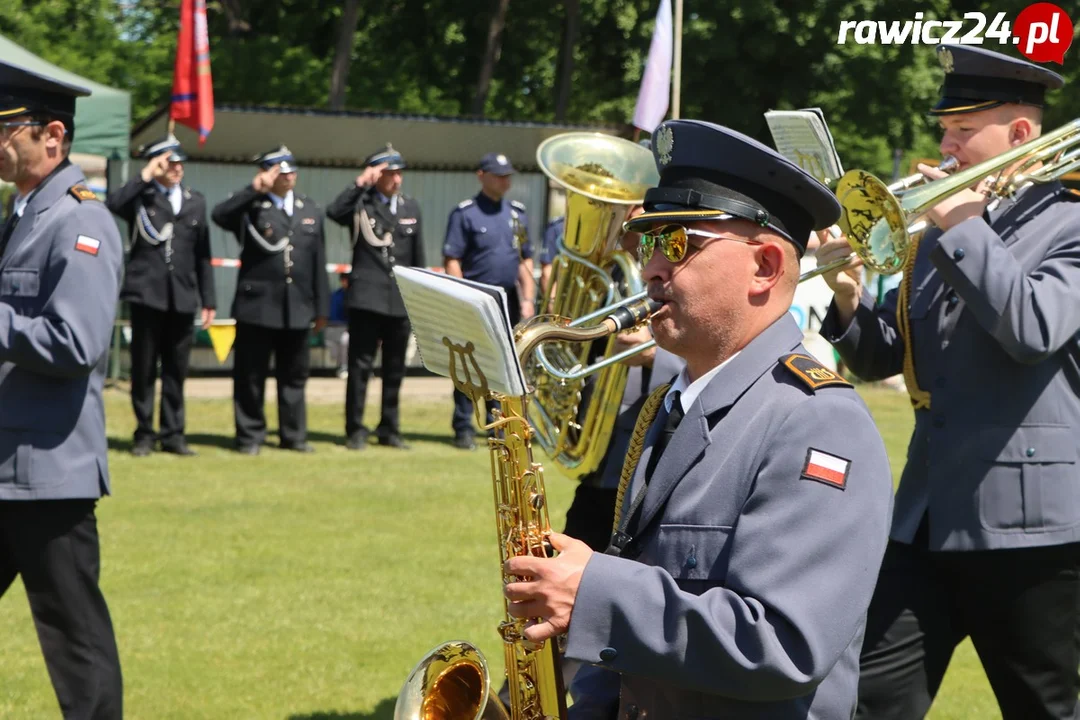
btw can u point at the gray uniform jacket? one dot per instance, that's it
(995, 310)
(745, 593)
(59, 286)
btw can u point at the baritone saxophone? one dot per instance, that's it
(453, 681)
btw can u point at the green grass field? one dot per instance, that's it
(294, 587)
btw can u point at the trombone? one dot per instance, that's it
(898, 188)
(880, 220)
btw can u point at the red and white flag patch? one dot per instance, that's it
(826, 468)
(87, 244)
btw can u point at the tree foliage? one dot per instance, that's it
(428, 56)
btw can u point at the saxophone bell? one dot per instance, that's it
(452, 682)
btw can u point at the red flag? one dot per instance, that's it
(193, 89)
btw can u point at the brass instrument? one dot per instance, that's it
(604, 176)
(452, 682)
(880, 225)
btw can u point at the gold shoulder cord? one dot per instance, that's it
(920, 399)
(645, 418)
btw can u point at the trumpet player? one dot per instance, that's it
(749, 531)
(985, 539)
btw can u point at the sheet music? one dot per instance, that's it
(464, 311)
(803, 137)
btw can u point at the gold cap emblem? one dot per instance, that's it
(665, 143)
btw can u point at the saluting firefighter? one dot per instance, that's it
(487, 240)
(281, 290)
(168, 280)
(386, 232)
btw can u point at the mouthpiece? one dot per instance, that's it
(630, 315)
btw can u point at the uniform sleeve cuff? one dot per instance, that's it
(590, 638)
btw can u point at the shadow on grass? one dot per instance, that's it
(383, 711)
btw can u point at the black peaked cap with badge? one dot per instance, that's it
(710, 172)
(388, 155)
(278, 156)
(168, 144)
(978, 79)
(24, 91)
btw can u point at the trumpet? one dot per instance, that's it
(880, 220)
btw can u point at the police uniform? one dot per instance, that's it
(281, 289)
(386, 232)
(987, 521)
(553, 234)
(61, 260)
(750, 531)
(490, 238)
(168, 279)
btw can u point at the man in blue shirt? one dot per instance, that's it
(487, 240)
(552, 235)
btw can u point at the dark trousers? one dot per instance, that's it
(165, 336)
(251, 366)
(1020, 608)
(53, 546)
(462, 419)
(366, 331)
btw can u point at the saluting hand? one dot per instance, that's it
(370, 176)
(548, 588)
(155, 169)
(264, 181)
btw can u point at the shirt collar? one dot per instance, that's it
(282, 203)
(21, 201)
(690, 390)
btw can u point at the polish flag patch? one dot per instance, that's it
(87, 244)
(826, 468)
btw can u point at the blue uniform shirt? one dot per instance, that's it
(489, 238)
(552, 234)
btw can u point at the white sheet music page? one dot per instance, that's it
(803, 138)
(442, 306)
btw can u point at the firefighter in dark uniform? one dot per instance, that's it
(386, 232)
(282, 288)
(487, 240)
(168, 280)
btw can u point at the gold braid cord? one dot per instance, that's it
(645, 418)
(920, 399)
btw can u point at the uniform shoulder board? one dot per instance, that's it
(82, 193)
(811, 372)
(465, 203)
(517, 205)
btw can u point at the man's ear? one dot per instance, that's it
(54, 135)
(1020, 131)
(771, 262)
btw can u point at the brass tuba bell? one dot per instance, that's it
(604, 177)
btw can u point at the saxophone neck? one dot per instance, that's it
(550, 328)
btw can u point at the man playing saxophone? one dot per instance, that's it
(755, 504)
(985, 540)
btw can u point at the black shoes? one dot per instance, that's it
(464, 441)
(304, 447)
(357, 441)
(394, 440)
(178, 448)
(142, 447)
(247, 449)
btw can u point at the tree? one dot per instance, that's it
(491, 56)
(339, 73)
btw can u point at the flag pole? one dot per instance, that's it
(677, 80)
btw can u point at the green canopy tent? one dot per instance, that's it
(102, 120)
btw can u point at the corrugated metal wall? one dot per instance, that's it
(437, 193)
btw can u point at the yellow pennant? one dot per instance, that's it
(222, 338)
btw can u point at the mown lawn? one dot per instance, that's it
(293, 587)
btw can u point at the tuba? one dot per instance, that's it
(453, 682)
(603, 176)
